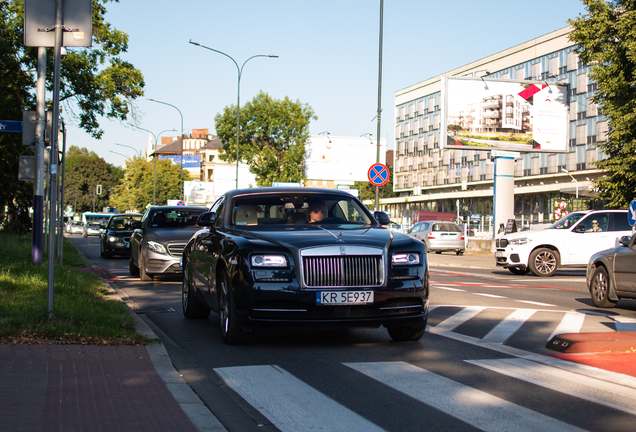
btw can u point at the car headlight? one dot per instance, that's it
(113, 239)
(157, 247)
(269, 260)
(405, 259)
(520, 241)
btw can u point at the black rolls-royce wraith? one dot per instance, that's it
(303, 256)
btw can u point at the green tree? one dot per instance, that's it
(94, 82)
(607, 41)
(84, 171)
(137, 187)
(15, 196)
(272, 138)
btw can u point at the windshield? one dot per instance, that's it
(175, 218)
(298, 209)
(123, 222)
(568, 221)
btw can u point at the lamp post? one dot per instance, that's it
(166, 103)
(154, 157)
(124, 145)
(120, 154)
(238, 95)
(573, 179)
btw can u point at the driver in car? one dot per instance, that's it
(317, 211)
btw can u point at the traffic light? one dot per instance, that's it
(99, 189)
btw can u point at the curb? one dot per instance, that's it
(194, 408)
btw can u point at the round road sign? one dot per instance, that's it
(631, 213)
(180, 203)
(378, 174)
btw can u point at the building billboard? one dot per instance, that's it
(521, 116)
(341, 158)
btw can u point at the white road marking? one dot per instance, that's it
(447, 288)
(535, 303)
(591, 389)
(489, 295)
(460, 317)
(475, 407)
(502, 331)
(290, 404)
(572, 322)
(444, 284)
(625, 323)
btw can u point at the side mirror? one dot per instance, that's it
(625, 240)
(579, 229)
(136, 225)
(206, 219)
(382, 218)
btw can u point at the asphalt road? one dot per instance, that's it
(482, 365)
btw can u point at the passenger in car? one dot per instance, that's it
(317, 211)
(595, 226)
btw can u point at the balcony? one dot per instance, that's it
(491, 114)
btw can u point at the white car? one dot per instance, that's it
(569, 242)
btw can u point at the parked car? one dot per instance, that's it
(115, 237)
(92, 229)
(611, 274)
(158, 240)
(290, 256)
(570, 241)
(76, 227)
(439, 236)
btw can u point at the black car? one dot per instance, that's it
(158, 240)
(115, 235)
(303, 256)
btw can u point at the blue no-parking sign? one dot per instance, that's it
(180, 203)
(631, 213)
(378, 174)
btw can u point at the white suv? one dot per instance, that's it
(569, 242)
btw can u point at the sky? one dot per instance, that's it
(328, 57)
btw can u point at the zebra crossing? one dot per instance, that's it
(560, 321)
(292, 405)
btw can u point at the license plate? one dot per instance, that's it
(344, 297)
(499, 254)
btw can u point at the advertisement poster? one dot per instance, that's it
(487, 114)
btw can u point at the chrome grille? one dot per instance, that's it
(176, 249)
(342, 271)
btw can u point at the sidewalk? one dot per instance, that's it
(465, 261)
(71, 387)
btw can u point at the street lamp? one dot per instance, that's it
(120, 154)
(573, 179)
(166, 103)
(124, 145)
(154, 157)
(326, 133)
(238, 96)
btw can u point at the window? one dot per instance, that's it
(573, 61)
(581, 83)
(553, 65)
(581, 134)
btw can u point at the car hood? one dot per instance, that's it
(314, 236)
(170, 234)
(535, 235)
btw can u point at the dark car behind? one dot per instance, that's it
(115, 236)
(157, 243)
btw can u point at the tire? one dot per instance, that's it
(519, 271)
(459, 252)
(599, 288)
(142, 270)
(231, 330)
(438, 252)
(543, 262)
(407, 333)
(134, 270)
(105, 254)
(192, 308)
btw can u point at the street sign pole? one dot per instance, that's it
(40, 127)
(53, 162)
(377, 188)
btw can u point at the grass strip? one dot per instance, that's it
(82, 312)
